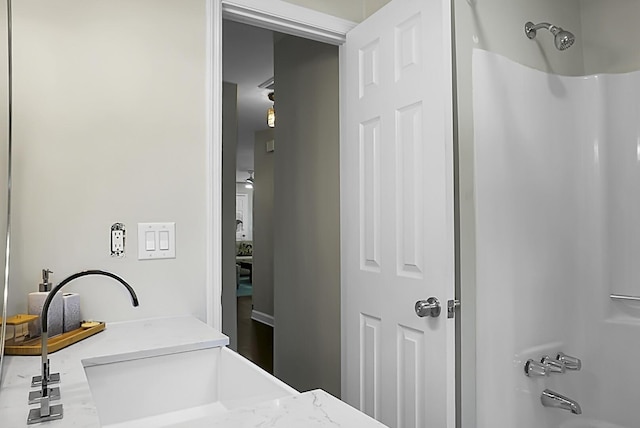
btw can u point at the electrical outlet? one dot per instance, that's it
(117, 240)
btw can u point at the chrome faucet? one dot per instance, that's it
(569, 362)
(555, 366)
(553, 399)
(46, 412)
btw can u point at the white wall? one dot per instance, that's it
(110, 127)
(617, 323)
(497, 26)
(307, 216)
(353, 10)
(536, 234)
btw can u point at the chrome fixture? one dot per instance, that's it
(533, 368)
(559, 401)
(625, 297)
(563, 39)
(569, 362)
(554, 366)
(428, 308)
(451, 307)
(46, 412)
(52, 393)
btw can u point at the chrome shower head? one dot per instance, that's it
(563, 39)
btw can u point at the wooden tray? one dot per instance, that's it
(20, 319)
(33, 346)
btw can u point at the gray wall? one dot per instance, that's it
(306, 215)
(110, 127)
(229, 143)
(263, 224)
(610, 32)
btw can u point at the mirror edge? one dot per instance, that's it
(3, 325)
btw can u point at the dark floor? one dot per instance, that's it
(255, 340)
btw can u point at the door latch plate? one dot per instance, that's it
(451, 308)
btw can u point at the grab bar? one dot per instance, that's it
(624, 297)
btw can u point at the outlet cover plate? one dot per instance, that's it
(117, 240)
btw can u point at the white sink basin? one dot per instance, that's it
(178, 389)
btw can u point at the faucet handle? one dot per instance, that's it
(569, 362)
(534, 368)
(555, 366)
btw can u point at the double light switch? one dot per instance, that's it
(156, 241)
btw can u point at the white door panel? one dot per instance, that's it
(397, 219)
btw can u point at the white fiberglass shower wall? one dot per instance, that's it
(557, 200)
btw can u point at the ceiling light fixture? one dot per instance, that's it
(249, 181)
(271, 112)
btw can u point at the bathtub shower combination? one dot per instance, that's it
(557, 164)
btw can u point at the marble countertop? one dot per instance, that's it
(154, 337)
(311, 409)
(119, 341)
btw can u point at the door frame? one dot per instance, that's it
(275, 15)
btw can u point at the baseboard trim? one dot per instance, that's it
(262, 317)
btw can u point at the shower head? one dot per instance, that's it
(563, 39)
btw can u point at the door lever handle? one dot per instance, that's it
(428, 308)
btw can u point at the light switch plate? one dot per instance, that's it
(271, 146)
(148, 232)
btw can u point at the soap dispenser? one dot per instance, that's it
(36, 301)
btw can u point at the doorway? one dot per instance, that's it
(402, 51)
(303, 215)
(247, 64)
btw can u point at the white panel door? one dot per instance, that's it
(397, 215)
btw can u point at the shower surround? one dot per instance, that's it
(557, 164)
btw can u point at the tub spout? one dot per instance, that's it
(553, 399)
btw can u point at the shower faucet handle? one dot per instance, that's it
(569, 362)
(533, 368)
(555, 366)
